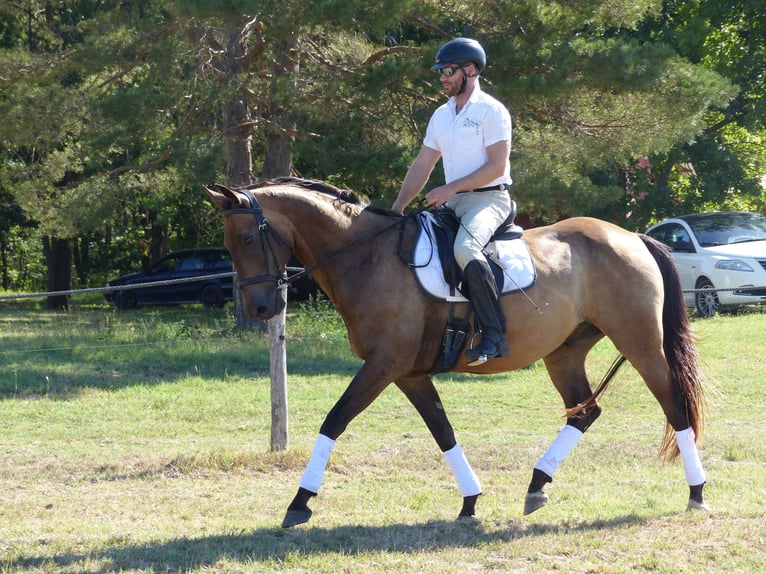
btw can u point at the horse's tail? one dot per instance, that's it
(679, 346)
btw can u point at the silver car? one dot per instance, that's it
(721, 258)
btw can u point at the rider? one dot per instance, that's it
(471, 132)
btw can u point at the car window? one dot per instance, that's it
(674, 235)
(725, 228)
(218, 261)
(190, 264)
(168, 264)
(658, 233)
(678, 238)
(713, 236)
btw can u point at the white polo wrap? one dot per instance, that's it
(314, 473)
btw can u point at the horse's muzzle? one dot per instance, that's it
(263, 303)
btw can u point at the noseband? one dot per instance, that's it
(266, 233)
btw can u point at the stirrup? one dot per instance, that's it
(480, 360)
(478, 355)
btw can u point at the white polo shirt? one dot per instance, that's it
(462, 138)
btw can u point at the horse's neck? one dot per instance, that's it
(329, 230)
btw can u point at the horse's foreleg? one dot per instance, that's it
(299, 512)
(424, 397)
(363, 389)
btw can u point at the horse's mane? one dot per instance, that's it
(345, 195)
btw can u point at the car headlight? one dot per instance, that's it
(733, 265)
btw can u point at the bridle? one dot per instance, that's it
(266, 233)
(280, 279)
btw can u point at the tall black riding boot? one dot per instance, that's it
(482, 292)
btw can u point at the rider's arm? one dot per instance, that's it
(493, 168)
(416, 177)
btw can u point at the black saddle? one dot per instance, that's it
(446, 225)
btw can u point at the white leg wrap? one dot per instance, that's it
(566, 440)
(467, 481)
(314, 473)
(695, 474)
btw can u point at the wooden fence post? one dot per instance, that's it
(278, 370)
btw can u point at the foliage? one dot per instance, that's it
(727, 154)
(113, 110)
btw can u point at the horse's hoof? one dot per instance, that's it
(534, 501)
(696, 505)
(296, 517)
(469, 506)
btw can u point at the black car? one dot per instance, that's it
(182, 264)
(212, 292)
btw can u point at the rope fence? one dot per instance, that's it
(111, 289)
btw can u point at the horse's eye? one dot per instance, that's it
(248, 239)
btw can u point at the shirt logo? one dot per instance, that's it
(471, 123)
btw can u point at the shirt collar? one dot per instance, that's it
(473, 98)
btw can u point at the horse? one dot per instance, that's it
(594, 280)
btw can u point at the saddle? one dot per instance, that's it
(433, 262)
(445, 226)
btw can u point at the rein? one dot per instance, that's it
(266, 232)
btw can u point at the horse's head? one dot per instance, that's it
(258, 250)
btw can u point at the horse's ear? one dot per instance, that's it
(223, 200)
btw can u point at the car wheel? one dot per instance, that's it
(212, 297)
(126, 300)
(706, 300)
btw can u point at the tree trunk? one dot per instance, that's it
(237, 133)
(4, 259)
(158, 241)
(278, 158)
(58, 258)
(81, 254)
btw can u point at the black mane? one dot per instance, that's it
(346, 195)
(315, 185)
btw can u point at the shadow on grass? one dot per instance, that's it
(276, 545)
(62, 373)
(57, 355)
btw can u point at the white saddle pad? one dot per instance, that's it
(513, 255)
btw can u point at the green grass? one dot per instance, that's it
(139, 442)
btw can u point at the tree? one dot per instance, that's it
(11, 217)
(117, 112)
(721, 165)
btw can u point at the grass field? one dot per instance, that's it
(139, 442)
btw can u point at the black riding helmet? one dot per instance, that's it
(460, 51)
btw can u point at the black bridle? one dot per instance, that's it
(266, 233)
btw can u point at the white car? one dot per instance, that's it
(720, 256)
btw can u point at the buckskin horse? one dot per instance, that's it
(594, 279)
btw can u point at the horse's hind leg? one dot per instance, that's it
(566, 367)
(675, 405)
(424, 397)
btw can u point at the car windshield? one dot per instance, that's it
(727, 228)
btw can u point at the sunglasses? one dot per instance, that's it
(448, 72)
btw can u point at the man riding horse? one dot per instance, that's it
(471, 132)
